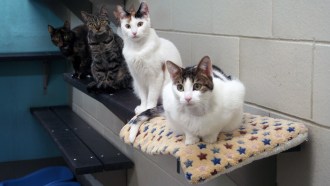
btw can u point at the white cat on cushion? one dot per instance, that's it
(198, 108)
(200, 102)
(145, 54)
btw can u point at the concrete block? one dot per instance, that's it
(182, 41)
(192, 15)
(245, 18)
(277, 75)
(321, 85)
(160, 14)
(303, 19)
(224, 51)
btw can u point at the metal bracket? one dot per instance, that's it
(46, 67)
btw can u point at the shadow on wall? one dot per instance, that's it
(290, 168)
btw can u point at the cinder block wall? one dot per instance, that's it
(280, 49)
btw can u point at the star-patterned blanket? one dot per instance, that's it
(257, 138)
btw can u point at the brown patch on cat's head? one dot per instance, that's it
(174, 70)
(204, 73)
(206, 82)
(205, 66)
(121, 13)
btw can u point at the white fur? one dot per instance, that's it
(206, 114)
(145, 55)
(133, 132)
(135, 127)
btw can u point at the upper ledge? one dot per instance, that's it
(29, 56)
(121, 103)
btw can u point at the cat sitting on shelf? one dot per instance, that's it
(200, 102)
(108, 68)
(73, 45)
(145, 54)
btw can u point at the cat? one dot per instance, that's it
(108, 68)
(200, 102)
(73, 45)
(145, 54)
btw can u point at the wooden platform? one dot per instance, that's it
(122, 103)
(30, 56)
(83, 148)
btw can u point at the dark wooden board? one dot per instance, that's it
(83, 148)
(122, 103)
(80, 159)
(109, 155)
(30, 56)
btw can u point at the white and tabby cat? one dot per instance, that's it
(145, 54)
(199, 102)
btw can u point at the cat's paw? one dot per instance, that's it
(75, 75)
(190, 140)
(210, 138)
(139, 109)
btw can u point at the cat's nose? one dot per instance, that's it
(134, 33)
(187, 98)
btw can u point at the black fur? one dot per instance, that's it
(74, 46)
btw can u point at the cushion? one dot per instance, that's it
(257, 138)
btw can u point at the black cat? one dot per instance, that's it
(74, 46)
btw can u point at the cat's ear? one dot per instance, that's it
(50, 29)
(173, 69)
(120, 13)
(85, 16)
(104, 11)
(205, 66)
(66, 25)
(143, 10)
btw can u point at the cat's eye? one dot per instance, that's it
(180, 87)
(128, 26)
(140, 24)
(197, 86)
(66, 37)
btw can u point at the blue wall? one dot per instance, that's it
(24, 28)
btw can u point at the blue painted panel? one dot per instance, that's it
(21, 136)
(24, 28)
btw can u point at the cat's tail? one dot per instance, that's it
(218, 73)
(146, 115)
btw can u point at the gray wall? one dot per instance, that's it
(280, 49)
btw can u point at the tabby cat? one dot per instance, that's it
(145, 54)
(200, 102)
(73, 45)
(108, 68)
